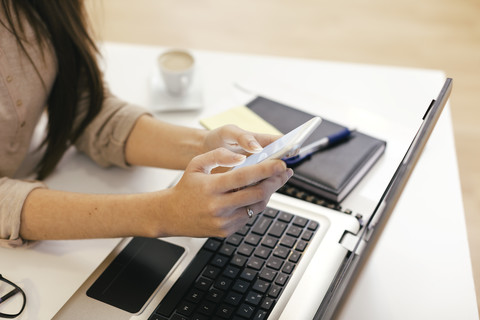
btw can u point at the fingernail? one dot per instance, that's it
(255, 146)
(289, 173)
(239, 158)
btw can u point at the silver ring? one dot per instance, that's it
(249, 212)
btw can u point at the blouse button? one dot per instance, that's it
(9, 78)
(19, 103)
(23, 124)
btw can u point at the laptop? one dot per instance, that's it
(254, 273)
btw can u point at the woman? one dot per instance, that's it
(47, 58)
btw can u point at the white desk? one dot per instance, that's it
(421, 267)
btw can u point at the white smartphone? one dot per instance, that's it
(285, 147)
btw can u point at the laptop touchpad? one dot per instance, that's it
(134, 275)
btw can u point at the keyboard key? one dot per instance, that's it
(267, 303)
(215, 295)
(270, 212)
(277, 229)
(313, 225)
(295, 256)
(212, 244)
(261, 286)
(211, 272)
(274, 291)
(234, 239)
(286, 217)
(243, 231)
(270, 242)
(301, 245)
(307, 235)
(219, 260)
(231, 272)
(253, 298)
(262, 225)
(288, 241)
(260, 315)
(238, 260)
(203, 283)
(274, 263)
(262, 252)
(223, 283)
(281, 279)
(288, 267)
(245, 310)
(294, 231)
(281, 252)
(233, 298)
(225, 311)
(248, 274)
(267, 274)
(246, 249)
(252, 220)
(253, 239)
(195, 295)
(299, 221)
(186, 308)
(241, 286)
(227, 250)
(206, 308)
(255, 263)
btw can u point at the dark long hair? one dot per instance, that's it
(63, 23)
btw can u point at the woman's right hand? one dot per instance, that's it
(203, 204)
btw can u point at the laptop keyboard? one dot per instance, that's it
(241, 276)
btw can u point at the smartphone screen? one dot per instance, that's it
(286, 146)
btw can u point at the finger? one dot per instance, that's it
(237, 221)
(235, 136)
(266, 139)
(249, 175)
(215, 158)
(261, 192)
(248, 140)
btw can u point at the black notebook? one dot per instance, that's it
(331, 173)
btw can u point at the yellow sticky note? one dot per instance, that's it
(243, 117)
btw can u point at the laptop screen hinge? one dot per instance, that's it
(349, 241)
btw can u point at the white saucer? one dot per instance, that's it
(161, 100)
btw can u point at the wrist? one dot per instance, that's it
(201, 145)
(156, 214)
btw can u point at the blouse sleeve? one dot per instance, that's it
(104, 138)
(12, 197)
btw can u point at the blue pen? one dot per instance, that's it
(323, 143)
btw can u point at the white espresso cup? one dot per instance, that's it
(176, 67)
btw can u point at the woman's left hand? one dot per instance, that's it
(237, 140)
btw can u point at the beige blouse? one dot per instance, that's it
(22, 101)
